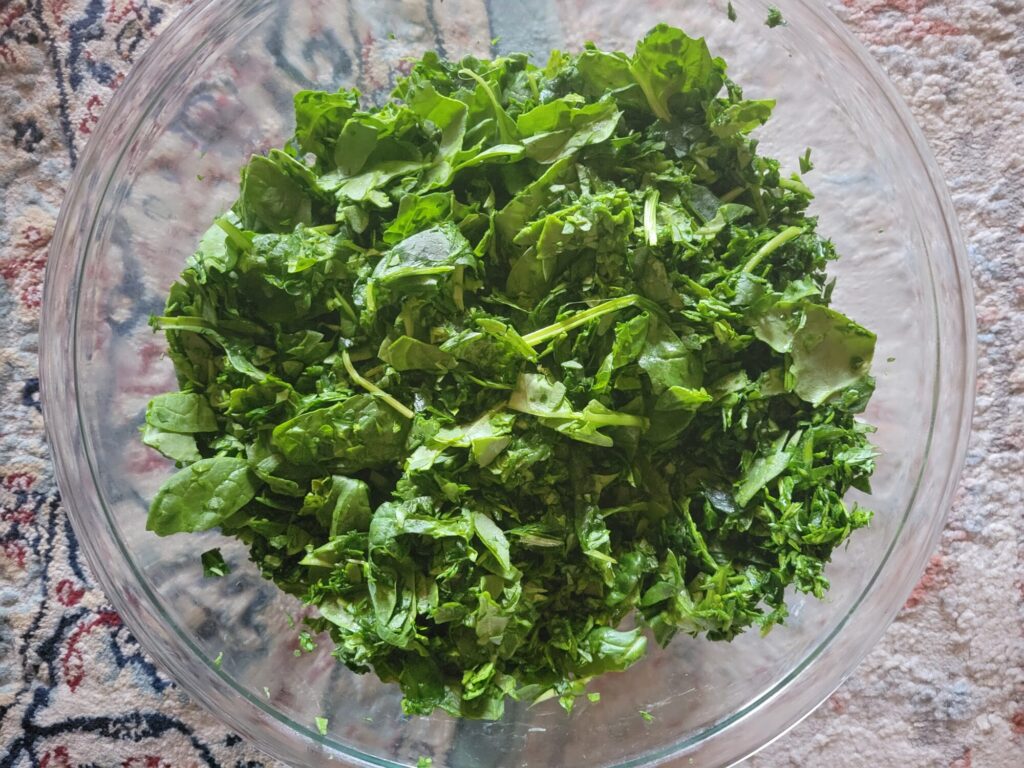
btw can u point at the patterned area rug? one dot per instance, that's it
(944, 688)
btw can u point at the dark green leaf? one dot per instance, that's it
(675, 71)
(408, 354)
(277, 193)
(356, 434)
(213, 564)
(202, 496)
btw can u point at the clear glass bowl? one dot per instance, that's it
(164, 161)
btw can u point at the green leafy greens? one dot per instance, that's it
(213, 563)
(484, 371)
(775, 17)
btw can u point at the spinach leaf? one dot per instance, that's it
(182, 412)
(358, 433)
(340, 504)
(319, 119)
(537, 396)
(667, 361)
(277, 193)
(213, 564)
(774, 17)
(830, 353)
(202, 496)
(173, 445)
(408, 354)
(675, 71)
(448, 116)
(559, 128)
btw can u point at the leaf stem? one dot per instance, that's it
(651, 217)
(580, 318)
(325, 229)
(234, 234)
(458, 280)
(506, 137)
(372, 388)
(732, 194)
(771, 246)
(755, 198)
(795, 185)
(618, 420)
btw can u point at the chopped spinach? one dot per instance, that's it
(775, 18)
(214, 565)
(524, 352)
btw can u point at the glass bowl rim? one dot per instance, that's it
(58, 393)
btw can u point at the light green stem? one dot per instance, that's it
(580, 318)
(234, 234)
(732, 194)
(651, 217)
(372, 388)
(771, 246)
(325, 229)
(618, 420)
(795, 185)
(499, 113)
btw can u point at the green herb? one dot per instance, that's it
(515, 356)
(321, 725)
(306, 643)
(213, 564)
(219, 660)
(774, 17)
(594, 697)
(647, 716)
(425, 762)
(806, 166)
(730, 12)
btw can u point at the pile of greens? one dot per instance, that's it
(524, 352)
